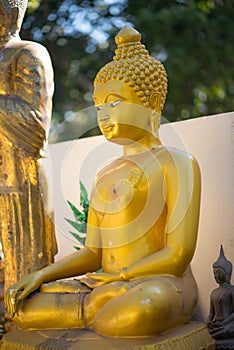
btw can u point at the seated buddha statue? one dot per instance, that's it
(220, 321)
(142, 221)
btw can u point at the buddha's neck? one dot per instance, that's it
(224, 284)
(142, 145)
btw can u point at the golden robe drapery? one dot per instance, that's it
(26, 89)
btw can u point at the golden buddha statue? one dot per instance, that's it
(26, 89)
(142, 222)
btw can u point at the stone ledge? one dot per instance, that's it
(193, 336)
(224, 344)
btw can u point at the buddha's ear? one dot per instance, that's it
(14, 19)
(155, 101)
(155, 119)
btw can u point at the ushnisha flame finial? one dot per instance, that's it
(127, 36)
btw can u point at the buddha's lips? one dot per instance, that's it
(107, 126)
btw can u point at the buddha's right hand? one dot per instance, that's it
(21, 290)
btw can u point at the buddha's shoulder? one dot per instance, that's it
(231, 289)
(170, 157)
(171, 153)
(28, 50)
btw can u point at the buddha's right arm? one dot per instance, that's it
(75, 264)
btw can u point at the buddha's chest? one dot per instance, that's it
(223, 302)
(128, 190)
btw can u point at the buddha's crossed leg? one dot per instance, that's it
(144, 306)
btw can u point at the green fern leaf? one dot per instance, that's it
(78, 237)
(81, 217)
(77, 214)
(84, 201)
(79, 227)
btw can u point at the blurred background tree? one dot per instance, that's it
(193, 38)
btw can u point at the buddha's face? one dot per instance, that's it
(9, 18)
(220, 275)
(122, 117)
(5, 21)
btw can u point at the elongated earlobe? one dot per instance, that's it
(155, 101)
(159, 119)
(155, 119)
(152, 122)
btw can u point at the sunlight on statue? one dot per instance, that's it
(142, 222)
(26, 89)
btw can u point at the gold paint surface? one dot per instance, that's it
(142, 222)
(26, 89)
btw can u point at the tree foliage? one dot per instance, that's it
(33, 5)
(77, 35)
(193, 38)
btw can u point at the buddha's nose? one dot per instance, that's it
(103, 115)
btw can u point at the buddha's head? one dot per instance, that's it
(222, 268)
(11, 16)
(133, 78)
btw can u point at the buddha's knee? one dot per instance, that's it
(147, 309)
(23, 318)
(50, 310)
(21, 321)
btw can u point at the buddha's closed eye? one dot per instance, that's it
(111, 105)
(114, 104)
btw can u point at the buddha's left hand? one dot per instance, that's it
(94, 280)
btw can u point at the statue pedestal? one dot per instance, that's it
(193, 336)
(224, 344)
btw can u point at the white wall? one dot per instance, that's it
(209, 139)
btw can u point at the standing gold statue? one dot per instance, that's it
(142, 223)
(26, 89)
